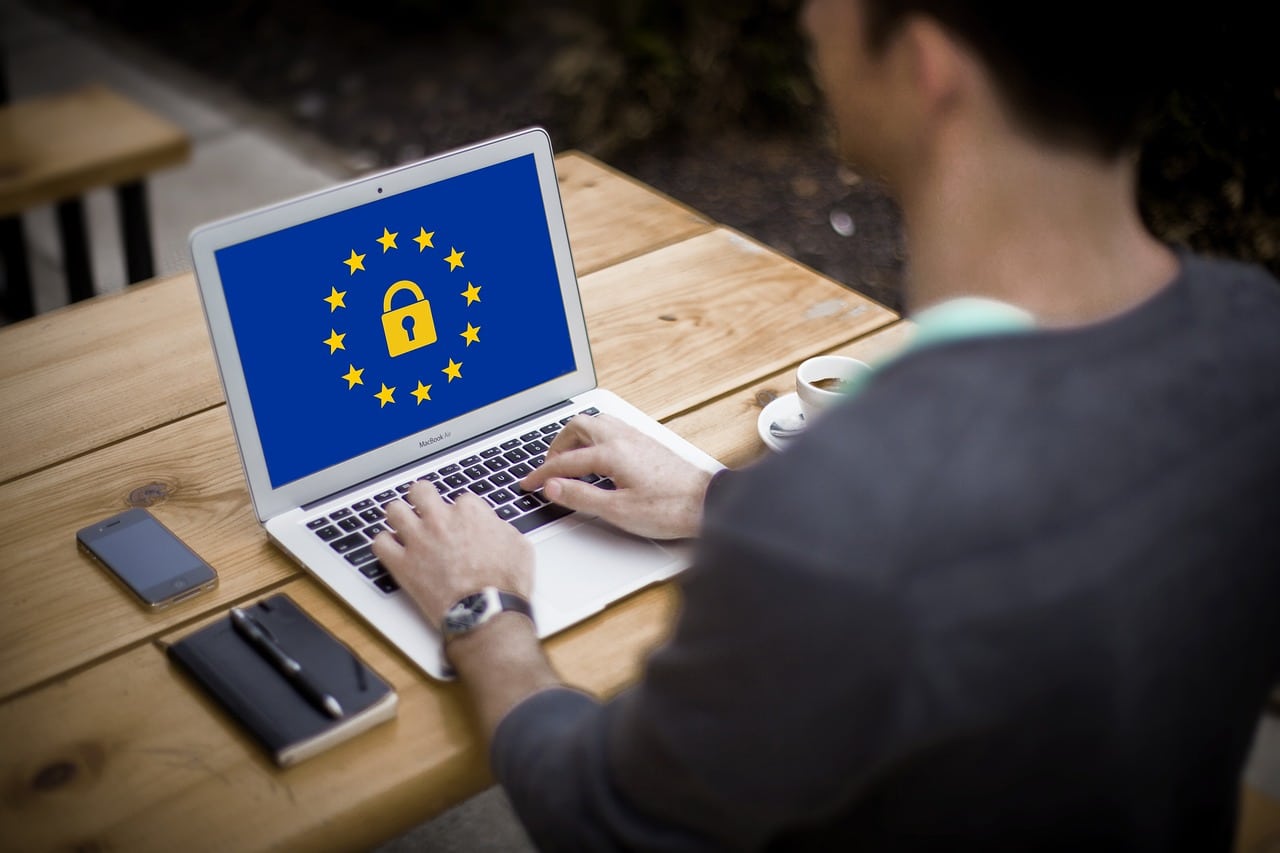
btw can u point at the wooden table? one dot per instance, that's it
(116, 402)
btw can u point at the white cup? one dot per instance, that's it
(824, 380)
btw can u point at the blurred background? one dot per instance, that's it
(708, 101)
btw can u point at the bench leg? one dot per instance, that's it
(135, 231)
(75, 248)
(17, 274)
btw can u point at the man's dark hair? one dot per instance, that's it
(1086, 74)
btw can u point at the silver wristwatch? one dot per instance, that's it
(478, 608)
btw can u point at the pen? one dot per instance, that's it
(258, 637)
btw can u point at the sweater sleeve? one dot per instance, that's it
(741, 728)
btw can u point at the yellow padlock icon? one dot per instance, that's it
(410, 327)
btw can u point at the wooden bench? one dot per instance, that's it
(54, 149)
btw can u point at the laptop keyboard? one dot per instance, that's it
(492, 473)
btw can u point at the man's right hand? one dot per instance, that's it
(658, 494)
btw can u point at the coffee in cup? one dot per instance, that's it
(824, 380)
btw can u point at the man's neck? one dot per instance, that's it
(1054, 233)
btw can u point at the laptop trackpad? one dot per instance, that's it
(585, 567)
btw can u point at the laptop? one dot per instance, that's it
(422, 323)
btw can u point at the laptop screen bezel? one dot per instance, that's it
(206, 240)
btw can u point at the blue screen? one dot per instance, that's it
(368, 325)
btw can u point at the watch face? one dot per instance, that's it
(466, 614)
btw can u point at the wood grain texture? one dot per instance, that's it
(683, 324)
(58, 146)
(611, 217)
(101, 370)
(726, 427)
(59, 609)
(182, 773)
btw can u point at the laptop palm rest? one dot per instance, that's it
(582, 567)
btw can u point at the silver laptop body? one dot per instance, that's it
(390, 329)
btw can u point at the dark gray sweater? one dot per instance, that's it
(1021, 593)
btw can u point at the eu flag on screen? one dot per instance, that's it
(371, 324)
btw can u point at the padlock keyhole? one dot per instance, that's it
(408, 322)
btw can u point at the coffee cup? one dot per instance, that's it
(824, 380)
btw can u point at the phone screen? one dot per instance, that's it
(147, 557)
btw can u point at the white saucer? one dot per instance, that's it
(784, 408)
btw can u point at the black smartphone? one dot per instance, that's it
(144, 555)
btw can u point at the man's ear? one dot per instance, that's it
(939, 65)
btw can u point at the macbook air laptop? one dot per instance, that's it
(423, 323)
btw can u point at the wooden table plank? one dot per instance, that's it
(182, 773)
(56, 146)
(612, 217)
(71, 379)
(726, 427)
(59, 609)
(101, 370)
(678, 326)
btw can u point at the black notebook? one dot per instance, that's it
(280, 717)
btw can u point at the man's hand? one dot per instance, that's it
(658, 493)
(445, 552)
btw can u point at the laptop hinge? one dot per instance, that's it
(428, 457)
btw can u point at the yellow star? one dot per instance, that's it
(356, 262)
(335, 341)
(472, 334)
(472, 293)
(454, 370)
(385, 395)
(424, 239)
(388, 240)
(335, 299)
(455, 259)
(423, 392)
(353, 376)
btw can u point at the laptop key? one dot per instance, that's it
(490, 452)
(316, 523)
(520, 471)
(372, 515)
(342, 513)
(530, 436)
(535, 447)
(527, 503)
(510, 445)
(453, 496)
(404, 487)
(607, 484)
(481, 487)
(360, 556)
(501, 496)
(373, 570)
(537, 518)
(373, 530)
(501, 478)
(348, 543)
(497, 463)
(350, 524)
(386, 583)
(591, 411)
(364, 504)
(456, 480)
(469, 461)
(383, 497)
(550, 428)
(516, 455)
(506, 512)
(450, 469)
(327, 533)
(537, 461)
(477, 472)
(565, 421)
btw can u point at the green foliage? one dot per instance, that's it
(630, 71)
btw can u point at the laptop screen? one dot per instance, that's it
(374, 323)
